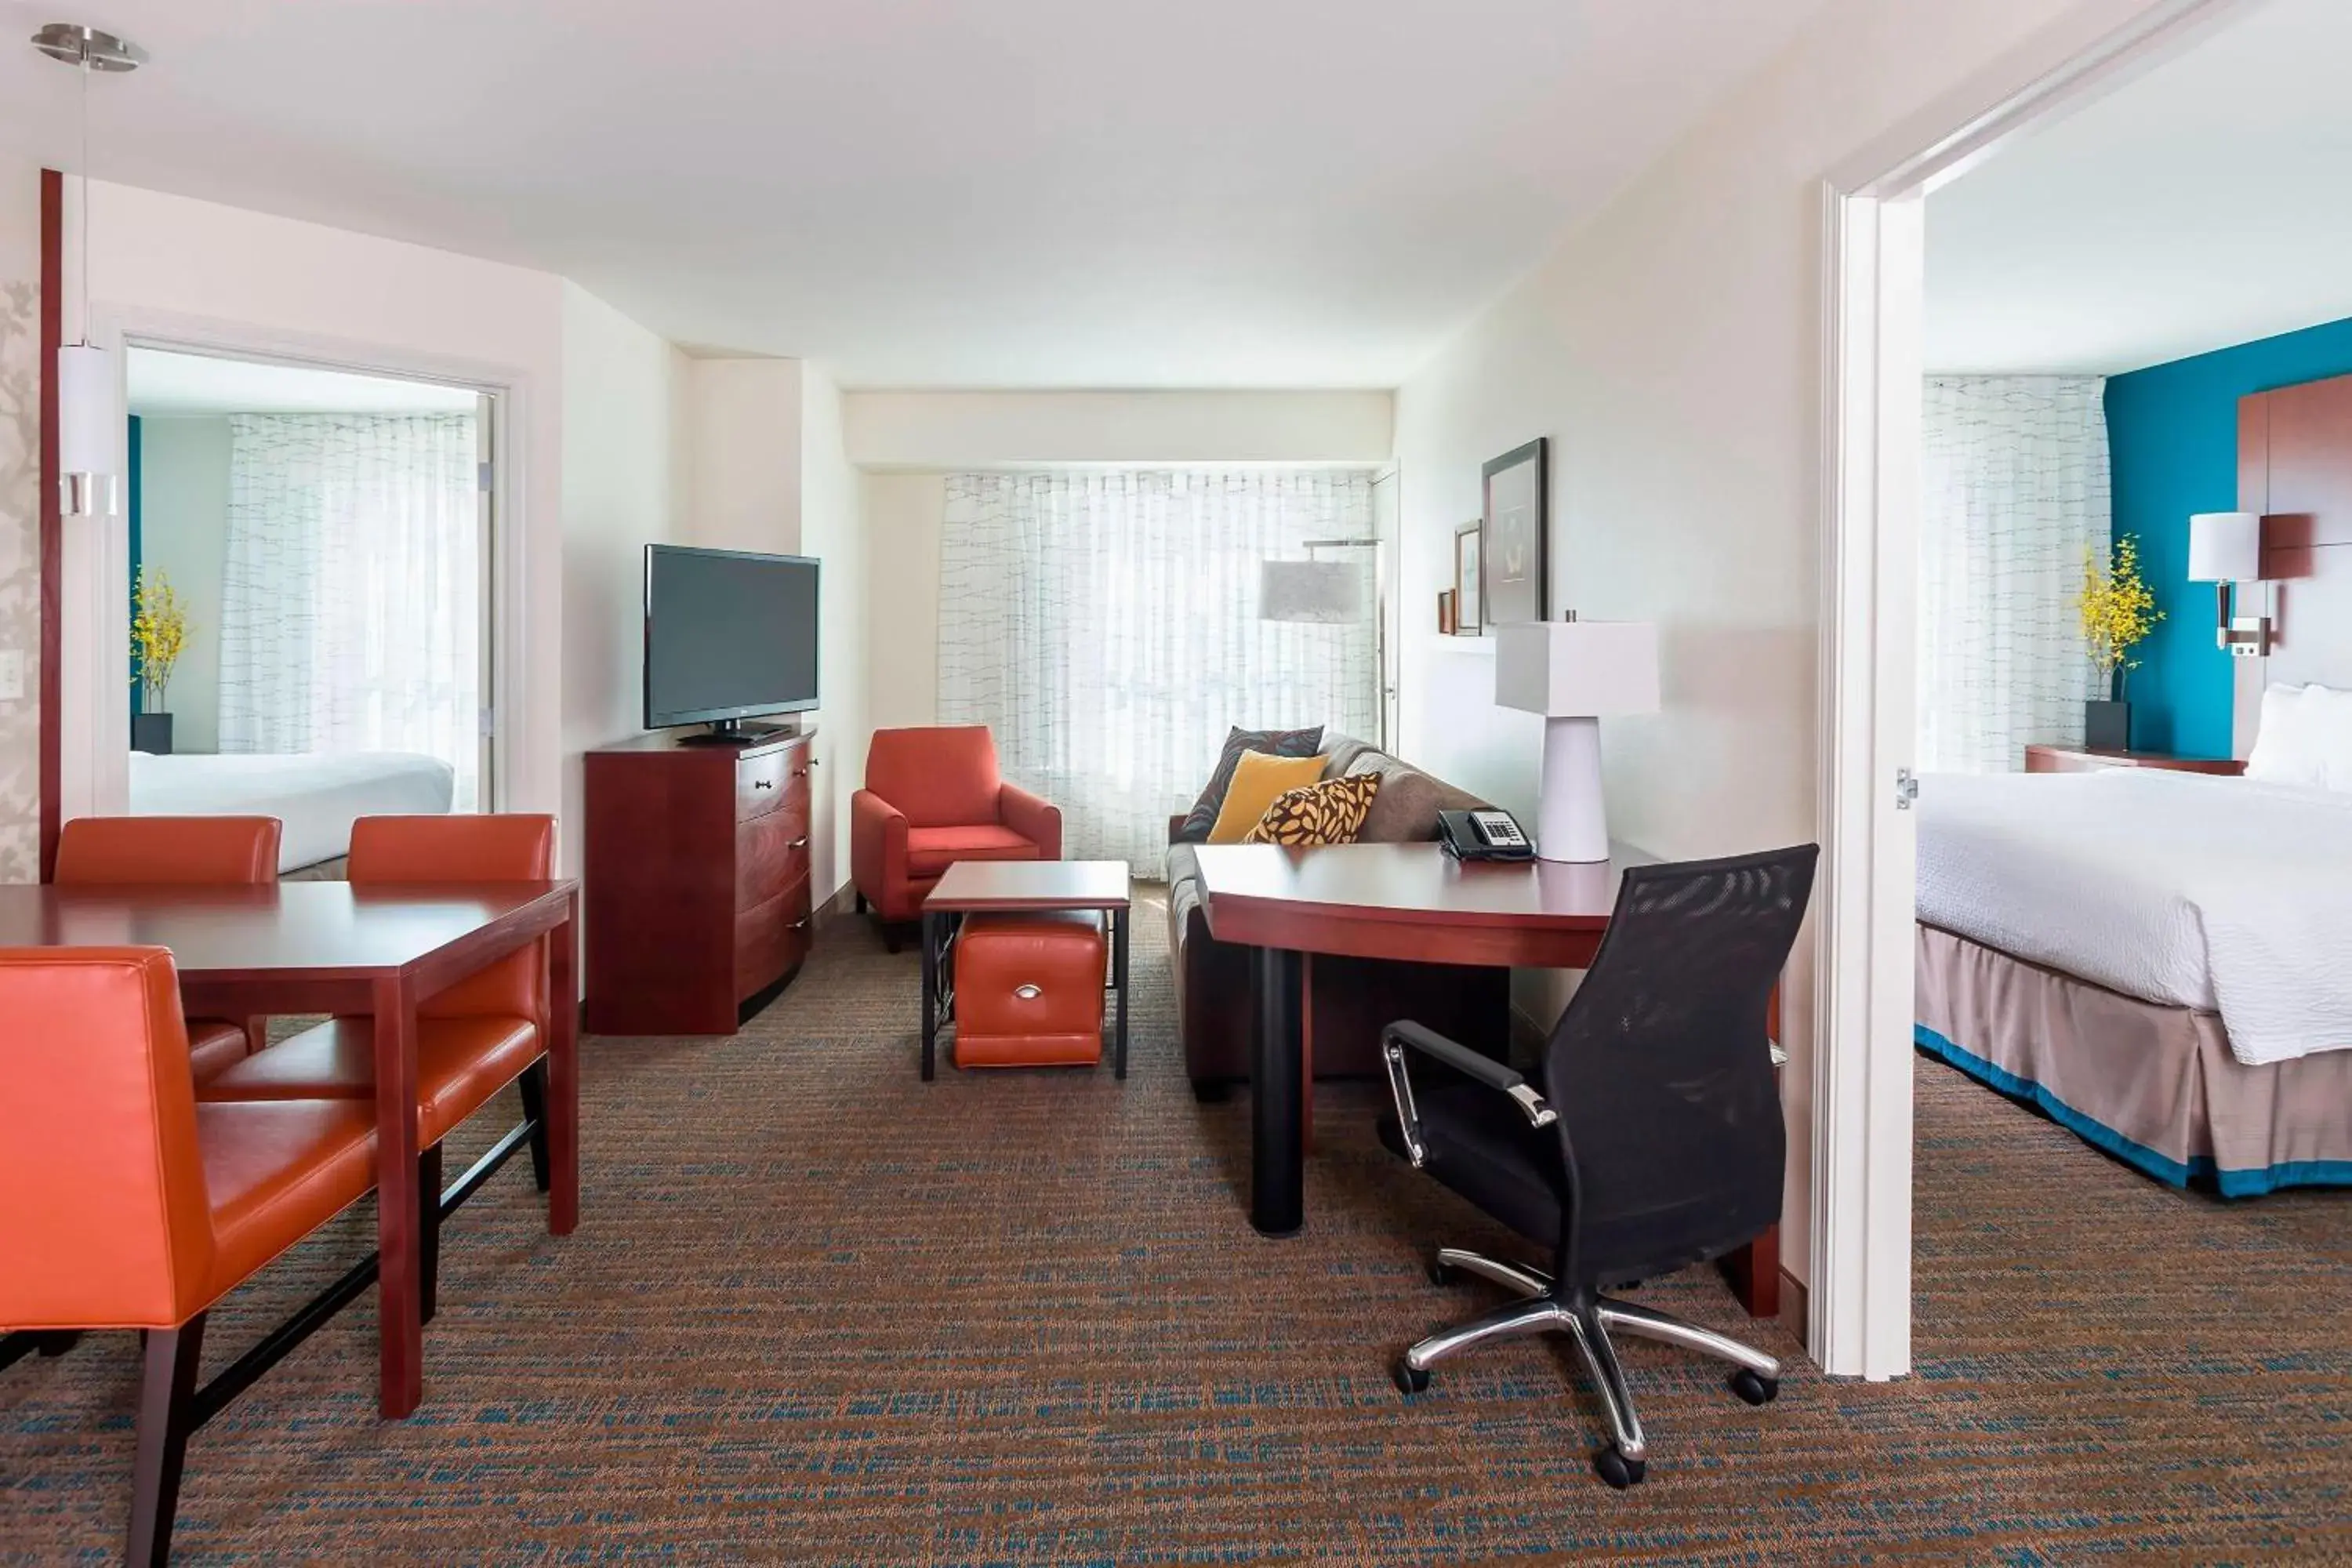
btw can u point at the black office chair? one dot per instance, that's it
(1655, 1143)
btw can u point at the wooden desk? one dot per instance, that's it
(329, 947)
(1409, 901)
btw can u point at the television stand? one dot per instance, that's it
(736, 733)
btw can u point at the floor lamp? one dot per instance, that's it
(1330, 593)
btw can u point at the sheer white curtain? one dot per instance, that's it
(1106, 626)
(350, 599)
(2015, 493)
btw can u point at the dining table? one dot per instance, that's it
(379, 951)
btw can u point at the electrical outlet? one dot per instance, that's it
(12, 675)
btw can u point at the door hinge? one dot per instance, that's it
(489, 721)
(1906, 788)
(482, 477)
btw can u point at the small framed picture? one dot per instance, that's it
(1469, 601)
(1517, 510)
(1445, 616)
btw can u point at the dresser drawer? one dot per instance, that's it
(771, 781)
(771, 853)
(771, 939)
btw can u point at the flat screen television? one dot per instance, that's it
(730, 636)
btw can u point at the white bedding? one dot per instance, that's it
(317, 795)
(2218, 894)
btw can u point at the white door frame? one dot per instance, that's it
(1873, 251)
(94, 731)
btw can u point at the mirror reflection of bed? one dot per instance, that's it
(312, 542)
(317, 796)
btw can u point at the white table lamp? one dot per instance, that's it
(2226, 548)
(1573, 672)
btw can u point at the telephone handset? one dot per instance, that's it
(1482, 836)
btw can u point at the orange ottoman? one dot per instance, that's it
(1029, 991)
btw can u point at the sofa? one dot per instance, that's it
(1348, 1000)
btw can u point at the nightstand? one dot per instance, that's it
(2084, 760)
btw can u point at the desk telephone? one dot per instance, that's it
(1482, 836)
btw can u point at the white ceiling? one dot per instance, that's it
(971, 193)
(164, 383)
(2207, 203)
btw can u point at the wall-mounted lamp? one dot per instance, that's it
(2226, 548)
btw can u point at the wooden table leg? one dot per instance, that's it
(1277, 1154)
(563, 1108)
(398, 1241)
(1755, 1274)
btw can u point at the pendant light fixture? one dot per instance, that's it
(89, 411)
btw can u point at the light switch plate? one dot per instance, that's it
(12, 675)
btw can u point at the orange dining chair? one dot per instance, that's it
(207, 851)
(473, 1039)
(124, 1203)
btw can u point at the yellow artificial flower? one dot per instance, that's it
(159, 635)
(2119, 609)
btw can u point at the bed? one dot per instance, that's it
(317, 795)
(2156, 959)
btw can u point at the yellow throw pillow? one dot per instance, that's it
(1332, 812)
(1258, 777)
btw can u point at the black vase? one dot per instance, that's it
(2106, 726)
(152, 734)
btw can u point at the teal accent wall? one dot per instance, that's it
(2172, 437)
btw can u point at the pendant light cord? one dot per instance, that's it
(85, 192)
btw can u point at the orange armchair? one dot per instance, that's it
(209, 851)
(932, 797)
(126, 1205)
(486, 1031)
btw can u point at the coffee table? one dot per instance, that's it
(1020, 887)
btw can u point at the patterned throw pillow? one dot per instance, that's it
(1274, 743)
(1331, 812)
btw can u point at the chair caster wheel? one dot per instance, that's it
(1441, 1274)
(1754, 1389)
(1410, 1379)
(1618, 1470)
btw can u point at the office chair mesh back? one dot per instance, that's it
(1661, 1069)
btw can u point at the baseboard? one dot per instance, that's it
(1795, 1306)
(843, 902)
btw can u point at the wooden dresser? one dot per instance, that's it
(697, 880)
(2084, 760)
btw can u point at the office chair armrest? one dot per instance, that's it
(1495, 1075)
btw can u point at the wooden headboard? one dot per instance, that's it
(2295, 467)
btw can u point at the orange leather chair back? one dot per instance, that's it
(940, 776)
(216, 850)
(104, 1221)
(510, 848)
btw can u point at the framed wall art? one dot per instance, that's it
(1469, 619)
(1516, 583)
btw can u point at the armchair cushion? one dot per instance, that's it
(931, 850)
(940, 776)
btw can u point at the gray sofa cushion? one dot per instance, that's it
(1405, 809)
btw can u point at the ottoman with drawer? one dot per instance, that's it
(1029, 990)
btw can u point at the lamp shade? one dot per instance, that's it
(89, 427)
(1577, 670)
(2225, 547)
(1325, 593)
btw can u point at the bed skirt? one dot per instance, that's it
(2152, 1084)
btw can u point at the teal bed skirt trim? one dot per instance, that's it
(2249, 1183)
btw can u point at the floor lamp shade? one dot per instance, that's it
(1319, 592)
(1574, 673)
(89, 429)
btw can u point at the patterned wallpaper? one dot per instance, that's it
(20, 585)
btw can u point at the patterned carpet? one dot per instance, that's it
(817, 1311)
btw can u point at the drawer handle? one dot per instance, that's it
(764, 783)
(1027, 992)
(801, 923)
(800, 843)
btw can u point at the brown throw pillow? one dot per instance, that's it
(1274, 743)
(1404, 810)
(1326, 813)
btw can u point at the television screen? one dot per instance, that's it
(729, 635)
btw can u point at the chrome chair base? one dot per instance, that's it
(1540, 1310)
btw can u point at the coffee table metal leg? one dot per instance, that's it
(1118, 978)
(930, 934)
(1277, 1156)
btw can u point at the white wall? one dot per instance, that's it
(952, 430)
(165, 267)
(833, 530)
(1670, 351)
(903, 513)
(744, 490)
(183, 535)
(619, 385)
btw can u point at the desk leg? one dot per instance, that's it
(399, 1240)
(930, 940)
(1277, 1153)
(1118, 923)
(1754, 1271)
(563, 1108)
